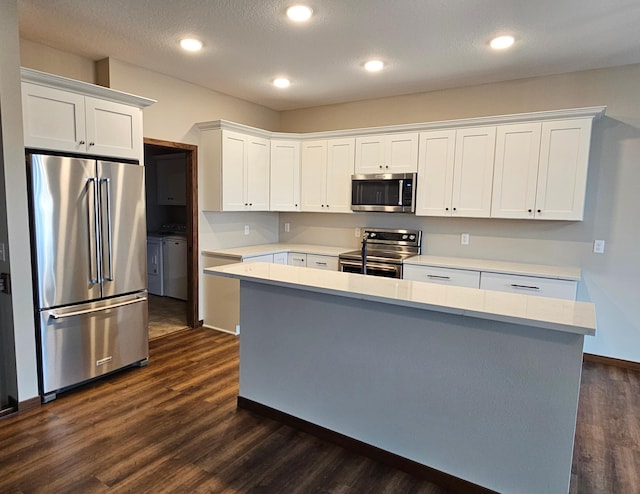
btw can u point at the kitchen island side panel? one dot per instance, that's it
(489, 402)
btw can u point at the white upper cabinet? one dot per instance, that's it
(389, 153)
(515, 174)
(171, 179)
(340, 166)
(541, 170)
(314, 175)
(434, 188)
(562, 174)
(59, 120)
(257, 173)
(285, 175)
(235, 171)
(473, 172)
(456, 172)
(327, 166)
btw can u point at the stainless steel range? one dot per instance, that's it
(383, 252)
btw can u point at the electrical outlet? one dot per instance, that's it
(598, 246)
(358, 232)
(287, 227)
(3, 257)
(247, 230)
(464, 239)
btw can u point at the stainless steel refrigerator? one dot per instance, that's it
(88, 233)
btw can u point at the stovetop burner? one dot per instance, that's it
(388, 245)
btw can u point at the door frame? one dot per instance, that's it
(191, 159)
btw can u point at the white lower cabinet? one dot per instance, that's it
(297, 259)
(280, 258)
(529, 285)
(524, 285)
(322, 262)
(443, 276)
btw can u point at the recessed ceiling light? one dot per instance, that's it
(191, 44)
(281, 82)
(501, 42)
(374, 65)
(299, 13)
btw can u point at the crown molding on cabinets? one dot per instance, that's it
(593, 112)
(84, 88)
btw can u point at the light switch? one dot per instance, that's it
(598, 246)
(287, 227)
(464, 239)
(357, 232)
(247, 230)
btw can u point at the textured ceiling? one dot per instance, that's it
(427, 44)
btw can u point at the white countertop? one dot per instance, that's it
(549, 313)
(524, 269)
(240, 253)
(539, 270)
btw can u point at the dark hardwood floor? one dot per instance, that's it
(174, 427)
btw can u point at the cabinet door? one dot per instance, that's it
(113, 129)
(171, 181)
(401, 153)
(515, 173)
(473, 172)
(435, 173)
(314, 176)
(340, 163)
(562, 174)
(234, 157)
(370, 154)
(53, 119)
(257, 174)
(285, 176)
(280, 258)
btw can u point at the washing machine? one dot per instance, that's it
(155, 265)
(174, 260)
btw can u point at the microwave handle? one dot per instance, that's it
(400, 189)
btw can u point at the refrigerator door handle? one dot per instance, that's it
(96, 233)
(55, 315)
(107, 182)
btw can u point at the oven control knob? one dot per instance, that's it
(372, 234)
(404, 237)
(412, 237)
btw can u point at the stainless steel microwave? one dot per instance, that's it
(386, 192)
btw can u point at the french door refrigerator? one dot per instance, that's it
(88, 233)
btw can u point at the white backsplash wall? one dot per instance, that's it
(539, 242)
(224, 230)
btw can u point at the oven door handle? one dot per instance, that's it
(370, 265)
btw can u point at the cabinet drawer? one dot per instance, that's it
(262, 258)
(444, 276)
(322, 262)
(297, 259)
(529, 285)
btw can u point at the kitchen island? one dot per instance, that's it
(475, 386)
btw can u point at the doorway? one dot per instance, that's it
(172, 235)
